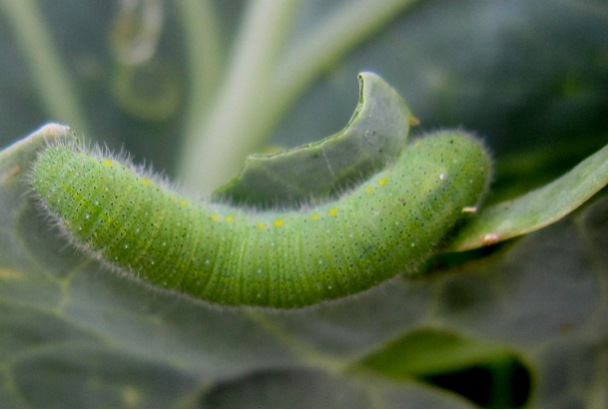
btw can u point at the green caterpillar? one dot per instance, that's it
(389, 224)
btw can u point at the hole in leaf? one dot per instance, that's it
(504, 383)
(486, 373)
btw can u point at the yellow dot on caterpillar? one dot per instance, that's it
(215, 218)
(333, 211)
(262, 225)
(278, 222)
(369, 189)
(145, 181)
(183, 202)
(229, 218)
(315, 217)
(383, 181)
(108, 163)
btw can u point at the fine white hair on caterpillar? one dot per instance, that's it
(389, 224)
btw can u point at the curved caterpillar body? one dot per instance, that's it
(388, 225)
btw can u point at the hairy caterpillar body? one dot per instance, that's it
(387, 225)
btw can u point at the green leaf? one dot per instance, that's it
(376, 134)
(427, 352)
(536, 209)
(76, 334)
(15, 162)
(446, 360)
(316, 389)
(63, 317)
(525, 75)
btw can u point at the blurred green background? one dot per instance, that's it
(529, 77)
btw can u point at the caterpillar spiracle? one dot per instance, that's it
(387, 225)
